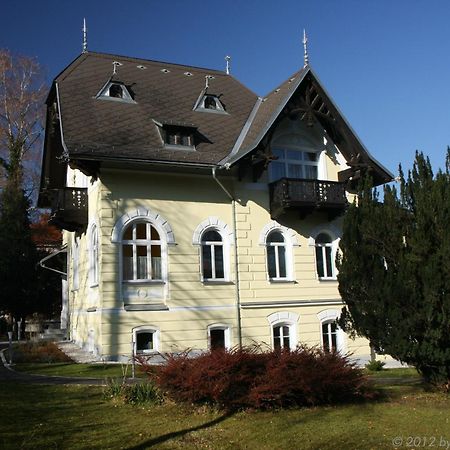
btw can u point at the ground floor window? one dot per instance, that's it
(281, 336)
(145, 341)
(219, 337)
(329, 336)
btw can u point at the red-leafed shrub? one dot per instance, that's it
(249, 378)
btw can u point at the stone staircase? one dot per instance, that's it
(76, 353)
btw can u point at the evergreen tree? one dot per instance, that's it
(394, 269)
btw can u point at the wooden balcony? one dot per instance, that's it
(70, 208)
(307, 196)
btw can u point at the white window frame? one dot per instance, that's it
(227, 334)
(134, 242)
(327, 317)
(212, 247)
(290, 241)
(321, 247)
(214, 223)
(94, 256)
(287, 319)
(277, 246)
(156, 339)
(163, 227)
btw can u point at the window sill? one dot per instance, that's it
(215, 282)
(156, 282)
(91, 309)
(327, 279)
(93, 286)
(281, 281)
(184, 148)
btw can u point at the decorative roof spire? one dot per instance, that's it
(228, 59)
(84, 36)
(305, 49)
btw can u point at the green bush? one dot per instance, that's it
(134, 394)
(375, 365)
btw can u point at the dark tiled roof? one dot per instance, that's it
(99, 128)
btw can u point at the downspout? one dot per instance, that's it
(236, 267)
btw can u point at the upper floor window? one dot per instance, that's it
(212, 256)
(294, 160)
(276, 255)
(324, 256)
(141, 252)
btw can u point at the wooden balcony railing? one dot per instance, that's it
(70, 208)
(306, 196)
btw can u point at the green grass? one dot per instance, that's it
(403, 372)
(77, 370)
(78, 417)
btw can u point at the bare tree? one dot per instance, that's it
(22, 94)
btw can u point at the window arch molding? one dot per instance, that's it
(289, 234)
(213, 223)
(146, 215)
(208, 250)
(277, 322)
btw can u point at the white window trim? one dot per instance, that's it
(290, 241)
(333, 233)
(328, 316)
(164, 230)
(214, 223)
(220, 326)
(288, 319)
(156, 339)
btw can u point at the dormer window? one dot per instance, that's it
(115, 90)
(209, 103)
(178, 136)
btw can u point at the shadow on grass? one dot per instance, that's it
(176, 434)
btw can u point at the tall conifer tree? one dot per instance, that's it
(394, 269)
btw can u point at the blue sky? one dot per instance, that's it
(385, 63)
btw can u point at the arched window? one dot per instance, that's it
(324, 256)
(276, 255)
(93, 256)
(329, 336)
(283, 327)
(141, 252)
(212, 255)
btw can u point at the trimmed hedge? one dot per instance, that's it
(241, 378)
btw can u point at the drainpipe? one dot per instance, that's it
(236, 267)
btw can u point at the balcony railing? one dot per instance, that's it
(307, 196)
(70, 208)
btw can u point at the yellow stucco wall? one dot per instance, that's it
(99, 320)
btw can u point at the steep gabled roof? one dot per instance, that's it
(95, 128)
(304, 89)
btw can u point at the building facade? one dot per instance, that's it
(196, 214)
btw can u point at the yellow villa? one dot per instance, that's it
(197, 214)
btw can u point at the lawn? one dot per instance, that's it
(77, 370)
(78, 417)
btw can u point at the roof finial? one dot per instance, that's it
(115, 65)
(305, 49)
(84, 36)
(228, 59)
